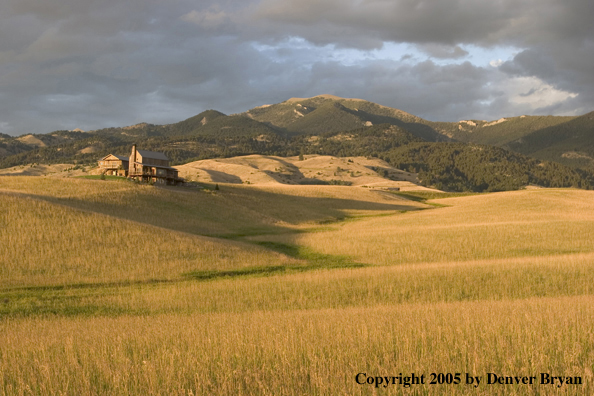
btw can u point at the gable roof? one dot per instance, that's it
(121, 158)
(152, 154)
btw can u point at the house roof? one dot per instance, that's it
(152, 154)
(121, 158)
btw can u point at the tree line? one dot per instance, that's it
(447, 166)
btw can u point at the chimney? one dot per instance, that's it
(132, 163)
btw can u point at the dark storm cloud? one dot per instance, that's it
(92, 64)
(104, 63)
(555, 39)
(338, 21)
(449, 22)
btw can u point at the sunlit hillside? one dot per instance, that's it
(310, 170)
(50, 243)
(110, 287)
(56, 170)
(331, 126)
(539, 222)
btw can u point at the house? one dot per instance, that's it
(115, 165)
(152, 167)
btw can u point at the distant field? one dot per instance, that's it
(312, 169)
(110, 287)
(56, 170)
(502, 225)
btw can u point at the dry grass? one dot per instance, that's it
(499, 283)
(270, 170)
(513, 224)
(43, 243)
(232, 210)
(72, 231)
(315, 352)
(571, 275)
(57, 170)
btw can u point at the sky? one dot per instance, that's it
(92, 64)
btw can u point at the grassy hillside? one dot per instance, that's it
(328, 125)
(304, 170)
(477, 229)
(258, 210)
(326, 113)
(328, 117)
(450, 166)
(50, 244)
(503, 131)
(566, 140)
(88, 147)
(214, 123)
(497, 283)
(569, 143)
(198, 121)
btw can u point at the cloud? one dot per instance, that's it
(447, 22)
(98, 63)
(208, 19)
(338, 21)
(496, 63)
(534, 92)
(443, 51)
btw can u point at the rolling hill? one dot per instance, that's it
(570, 142)
(329, 125)
(313, 116)
(566, 140)
(311, 170)
(504, 130)
(111, 287)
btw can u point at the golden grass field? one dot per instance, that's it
(270, 170)
(115, 288)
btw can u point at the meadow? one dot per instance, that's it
(116, 288)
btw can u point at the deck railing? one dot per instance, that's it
(149, 174)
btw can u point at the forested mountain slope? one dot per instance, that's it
(328, 125)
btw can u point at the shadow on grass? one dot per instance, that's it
(314, 261)
(70, 300)
(422, 196)
(106, 177)
(48, 310)
(253, 211)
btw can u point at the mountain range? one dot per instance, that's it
(322, 124)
